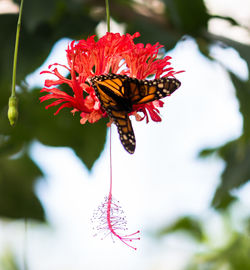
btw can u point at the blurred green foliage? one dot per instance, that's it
(186, 224)
(232, 249)
(232, 255)
(8, 261)
(46, 22)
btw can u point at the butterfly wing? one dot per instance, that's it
(112, 94)
(118, 93)
(144, 91)
(125, 130)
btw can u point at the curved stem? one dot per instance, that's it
(13, 90)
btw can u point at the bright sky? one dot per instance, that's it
(161, 181)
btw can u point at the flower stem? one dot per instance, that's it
(110, 216)
(25, 263)
(112, 220)
(107, 15)
(13, 92)
(13, 112)
(110, 164)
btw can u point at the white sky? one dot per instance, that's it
(161, 181)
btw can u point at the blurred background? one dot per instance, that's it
(186, 187)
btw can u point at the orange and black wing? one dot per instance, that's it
(125, 130)
(118, 94)
(144, 91)
(112, 94)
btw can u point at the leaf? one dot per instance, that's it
(226, 18)
(43, 23)
(236, 173)
(87, 140)
(36, 13)
(241, 48)
(207, 152)
(222, 198)
(8, 261)
(234, 255)
(189, 17)
(17, 198)
(148, 34)
(18, 176)
(187, 224)
(236, 154)
(243, 95)
(64, 129)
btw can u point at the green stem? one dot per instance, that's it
(108, 15)
(13, 91)
(13, 107)
(25, 263)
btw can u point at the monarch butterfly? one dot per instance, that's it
(118, 94)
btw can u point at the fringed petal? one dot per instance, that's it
(111, 53)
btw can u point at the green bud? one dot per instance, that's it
(13, 110)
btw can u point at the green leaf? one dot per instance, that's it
(189, 17)
(226, 18)
(243, 95)
(36, 13)
(236, 173)
(17, 198)
(187, 224)
(234, 255)
(222, 198)
(86, 140)
(64, 129)
(242, 49)
(152, 27)
(208, 152)
(148, 34)
(8, 261)
(18, 176)
(43, 23)
(236, 154)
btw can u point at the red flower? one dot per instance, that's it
(113, 53)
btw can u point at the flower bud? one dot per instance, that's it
(13, 110)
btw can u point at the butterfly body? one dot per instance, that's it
(123, 102)
(118, 94)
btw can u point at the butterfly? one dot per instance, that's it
(118, 94)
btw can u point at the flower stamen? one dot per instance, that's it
(109, 219)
